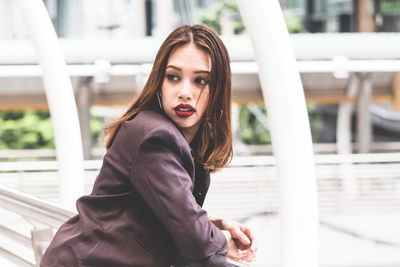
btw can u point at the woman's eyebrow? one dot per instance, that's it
(179, 69)
(173, 67)
(202, 71)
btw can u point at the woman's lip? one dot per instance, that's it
(185, 106)
(183, 114)
(184, 110)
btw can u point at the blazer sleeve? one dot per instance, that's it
(164, 184)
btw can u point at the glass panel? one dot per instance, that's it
(320, 6)
(340, 6)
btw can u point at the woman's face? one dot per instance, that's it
(185, 89)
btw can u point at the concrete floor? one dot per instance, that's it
(337, 249)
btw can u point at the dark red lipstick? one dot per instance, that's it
(184, 110)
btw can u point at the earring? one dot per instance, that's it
(220, 115)
(159, 99)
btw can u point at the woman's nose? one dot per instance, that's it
(185, 91)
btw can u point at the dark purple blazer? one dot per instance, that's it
(145, 204)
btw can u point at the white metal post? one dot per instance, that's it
(343, 129)
(5, 11)
(364, 124)
(165, 17)
(343, 136)
(60, 97)
(290, 130)
(139, 18)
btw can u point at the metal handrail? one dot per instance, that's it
(20, 238)
(236, 161)
(42, 165)
(9, 252)
(20, 261)
(321, 159)
(46, 155)
(43, 212)
(34, 208)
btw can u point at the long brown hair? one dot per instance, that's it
(213, 141)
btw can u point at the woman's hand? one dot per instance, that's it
(233, 251)
(243, 238)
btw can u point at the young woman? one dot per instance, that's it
(145, 207)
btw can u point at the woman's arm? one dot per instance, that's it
(160, 177)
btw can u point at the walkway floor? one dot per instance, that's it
(336, 249)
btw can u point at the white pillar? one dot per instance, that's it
(290, 131)
(343, 129)
(165, 17)
(5, 19)
(344, 134)
(227, 24)
(84, 102)
(139, 18)
(364, 126)
(235, 120)
(60, 98)
(11, 23)
(106, 18)
(75, 18)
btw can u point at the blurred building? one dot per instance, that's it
(98, 36)
(130, 18)
(347, 15)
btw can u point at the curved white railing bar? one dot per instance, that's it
(34, 208)
(290, 131)
(13, 257)
(9, 252)
(36, 211)
(60, 97)
(243, 161)
(249, 186)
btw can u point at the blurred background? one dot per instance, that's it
(349, 60)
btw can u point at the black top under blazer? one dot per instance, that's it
(146, 203)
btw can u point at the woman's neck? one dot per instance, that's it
(189, 134)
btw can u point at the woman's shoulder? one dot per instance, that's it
(149, 117)
(150, 120)
(148, 123)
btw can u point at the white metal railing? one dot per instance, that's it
(346, 183)
(356, 183)
(34, 208)
(241, 150)
(42, 215)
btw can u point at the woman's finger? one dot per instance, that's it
(248, 258)
(251, 236)
(238, 234)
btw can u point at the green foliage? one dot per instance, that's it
(252, 132)
(211, 17)
(293, 22)
(33, 130)
(316, 122)
(26, 130)
(96, 127)
(389, 7)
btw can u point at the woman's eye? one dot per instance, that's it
(172, 77)
(201, 81)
